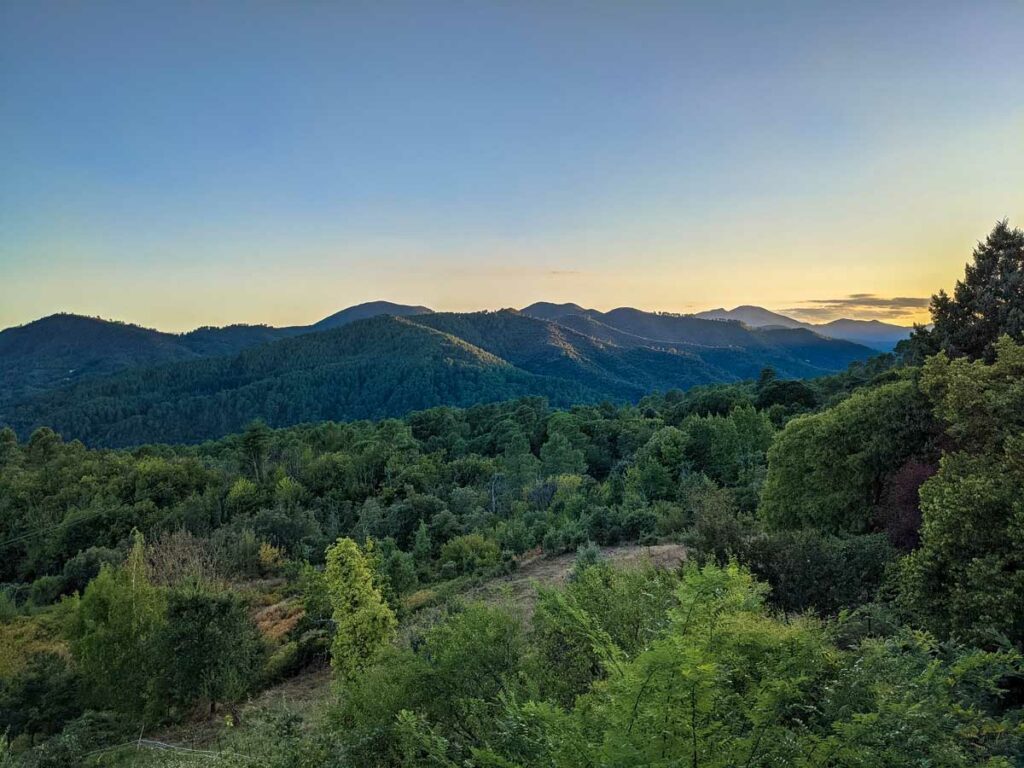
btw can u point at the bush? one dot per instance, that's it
(587, 556)
(45, 590)
(282, 663)
(565, 537)
(8, 605)
(91, 731)
(85, 566)
(808, 570)
(470, 554)
(40, 698)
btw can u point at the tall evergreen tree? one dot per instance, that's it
(986, 304)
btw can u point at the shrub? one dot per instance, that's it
(587, 556)
(45, 590)
(216, 648)
(85, 566)
(472, 553)
(808, 570)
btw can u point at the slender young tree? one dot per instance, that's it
(364, 623)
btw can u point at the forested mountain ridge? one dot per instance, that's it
(872, 333)
(388, 366)
(64, 348)
(385, 366)
(60, 349)
(365, 312)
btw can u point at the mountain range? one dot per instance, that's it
(114, 384)
(871, 333)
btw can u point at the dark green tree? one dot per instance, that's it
(115, 636)
(213, 649)
(986, 304)
(255, 448)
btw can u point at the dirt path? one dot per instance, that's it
(520, 587)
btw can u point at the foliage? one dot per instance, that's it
(471, 553)
(986, 304)
(363, 621)
(116, 633)
(828, 470)
(720, 682)
(780, 643)
(812, 571)
(217, 651)
(40, 698)
(967, 578)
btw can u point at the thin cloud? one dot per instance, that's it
(564, 272)
(861, 305)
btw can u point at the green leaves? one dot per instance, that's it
(827, 470)
(363, 622)
(967, 578)
(116, 634)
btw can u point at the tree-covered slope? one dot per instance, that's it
(388, 366)
(384, 367)
(730, 348)
(63, 349)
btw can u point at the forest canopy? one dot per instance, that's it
(847, 589)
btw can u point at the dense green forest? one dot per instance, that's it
(63, 349)
(356, 367)
(853, 591)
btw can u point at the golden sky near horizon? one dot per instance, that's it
(173, 169)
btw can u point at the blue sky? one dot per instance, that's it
(178, 164)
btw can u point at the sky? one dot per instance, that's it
(178, 164)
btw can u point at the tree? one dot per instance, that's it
(967, 577)
(422, 549)
(659, 465)
(115, 634)
(255, 448)
(395, 570)
(364, 623)
(828, 470)
(986, 304)
(40, 698)
(470, 553)
(215, 647)
(729, 684)
(8, 446)
(559, 457)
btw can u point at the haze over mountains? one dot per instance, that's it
(111, 383)
(871, 333)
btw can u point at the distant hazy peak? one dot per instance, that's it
(755, 317)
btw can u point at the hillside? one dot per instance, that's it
(666, 327)
(732, 348)
(370, 369)
(870, 333)
(365, 312)
(388, 366)
(63, 349)
(755, 317)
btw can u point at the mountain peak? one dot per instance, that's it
(367, 310)
(754, 316)
(547, 310)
